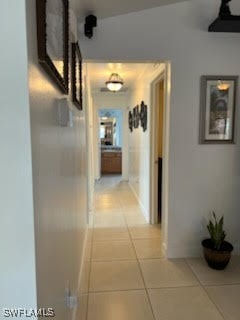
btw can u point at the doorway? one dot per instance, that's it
(110, 135)
(159, 149)
(140, 85)
(160, 113)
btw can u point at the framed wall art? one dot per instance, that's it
(52, 38)
(217, 109)
(76, 76)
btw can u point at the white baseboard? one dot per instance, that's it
(183, 251)
(144, 211)
(80, 276)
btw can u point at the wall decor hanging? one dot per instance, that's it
(136, 117)
(130, 121)
(217, 109)
(143, 116)
(52, 38)
(76, 76)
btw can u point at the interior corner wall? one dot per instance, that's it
(201, 177)
(59, 185)
(17, 267)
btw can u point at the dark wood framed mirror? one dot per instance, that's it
(76, 76)
(52, 37)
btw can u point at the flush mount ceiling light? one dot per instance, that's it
(114, 83)
(223, 85)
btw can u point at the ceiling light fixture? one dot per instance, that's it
(114, 83)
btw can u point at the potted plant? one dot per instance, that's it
(217, 251)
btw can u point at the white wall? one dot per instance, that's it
(59, 185)
(139, 141)
(90, 139)
(17, 267)
(201, 177)
(111, 101)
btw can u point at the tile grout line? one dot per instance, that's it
(204, 289)
(114, 260)
(91, 255)
(118, 290)
(144, 289)
(139, 266)
(222, 285)
(131, 240)
(130, 259)
(121, 239)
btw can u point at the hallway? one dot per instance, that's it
(128, 278)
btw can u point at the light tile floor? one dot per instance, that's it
(128, 277)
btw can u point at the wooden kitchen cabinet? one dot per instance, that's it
(111, 162)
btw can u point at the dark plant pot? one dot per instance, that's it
(217, 259)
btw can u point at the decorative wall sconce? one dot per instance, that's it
(143, 116)
(114, 82)
(130, 121)
(226, 22)
(90, 23)
(136, 117)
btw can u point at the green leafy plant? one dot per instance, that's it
(215, 229)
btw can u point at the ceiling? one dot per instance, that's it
(109, 8)
(129, 72)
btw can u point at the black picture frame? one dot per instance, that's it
(53, 39)
(76, 76)
(217, 109)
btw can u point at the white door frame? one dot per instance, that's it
(154, 139)
(125, 144)
(166, 77)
